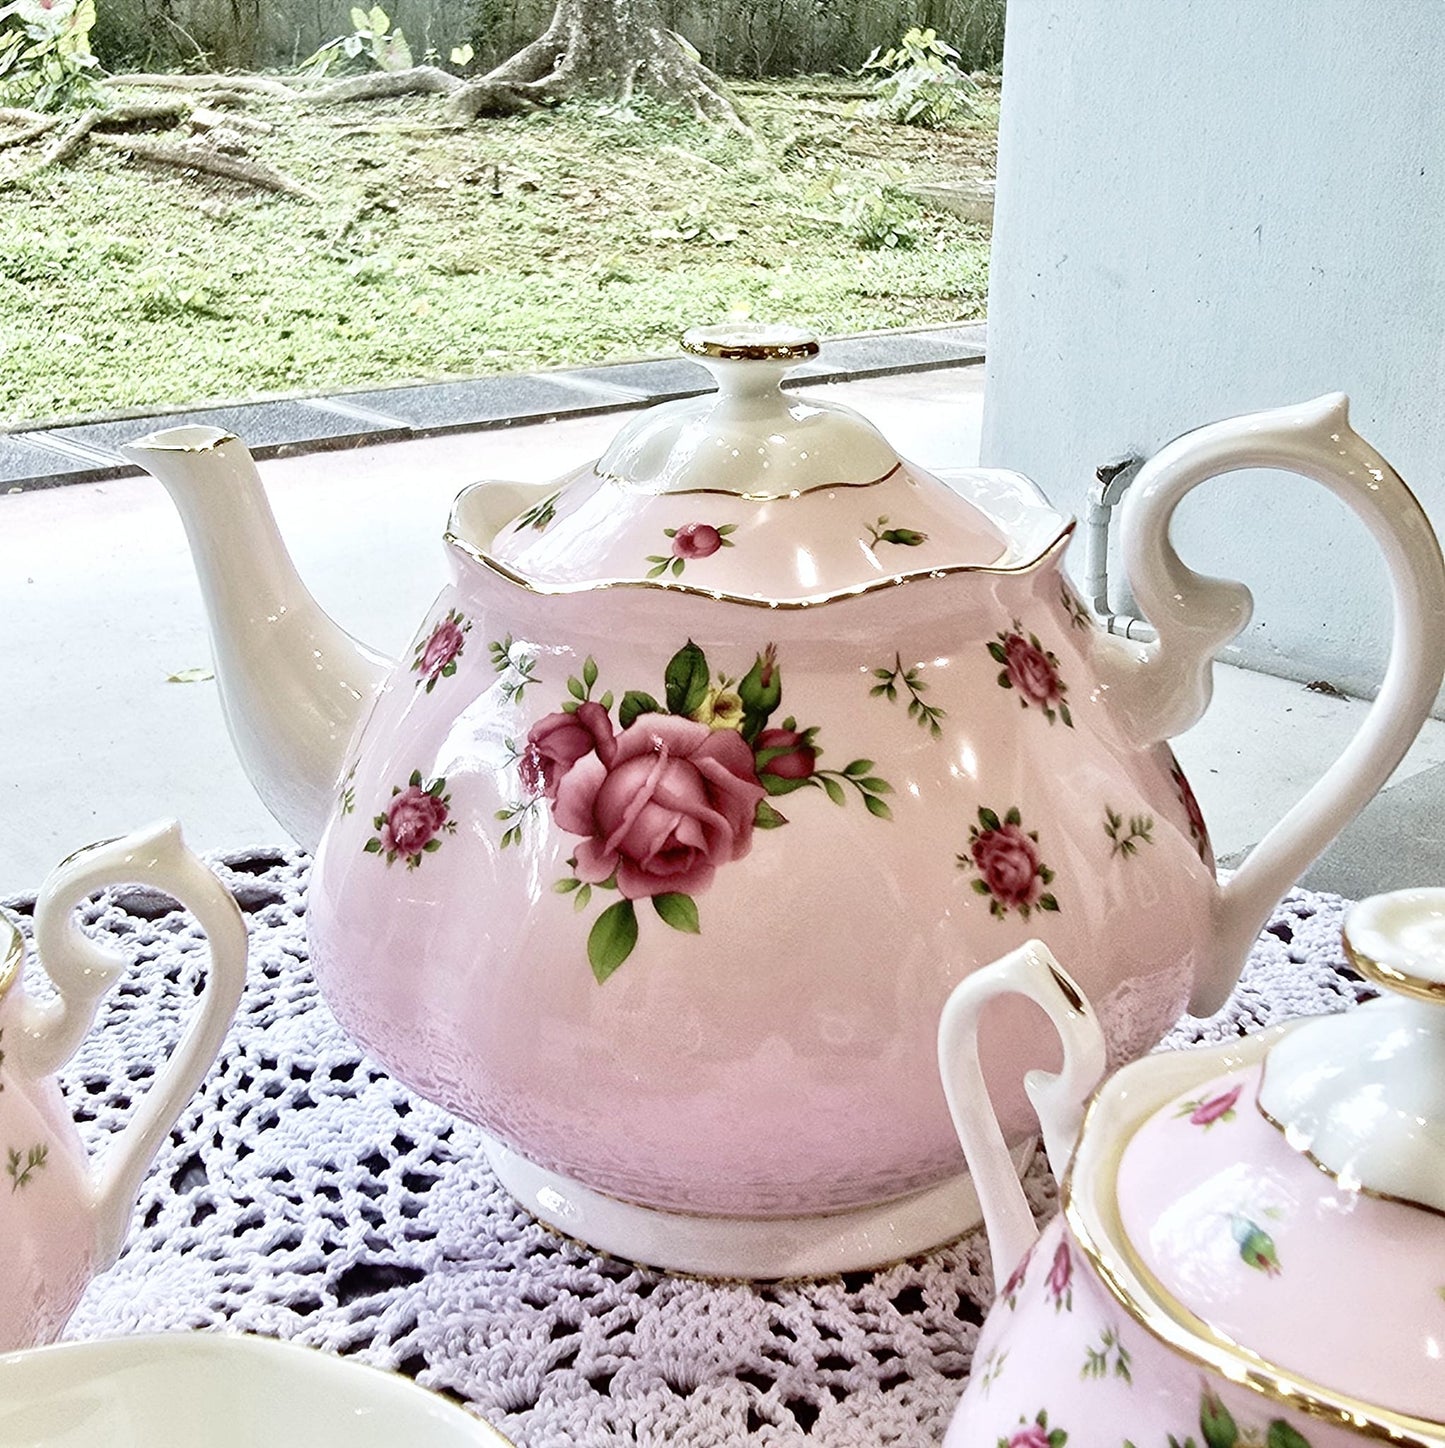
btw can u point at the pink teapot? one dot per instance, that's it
(719, 762)
(1250, 1245)
(62, 1217)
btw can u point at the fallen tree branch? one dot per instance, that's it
(417, 80)
(142, 112)
(33, 125)
(255, 84)
(213, 163)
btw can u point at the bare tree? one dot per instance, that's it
(606, 48)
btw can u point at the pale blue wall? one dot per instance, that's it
(1211, 206)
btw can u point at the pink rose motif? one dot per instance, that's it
(1030, 671)
(555, 743)
(797, 762)
(1033, 671)
(1194, 816)
(673, 802)
(696, 540)
(1033, 1436)
(1009, 862)
(412, 822)
(436, 657)
(1061, 1274)
(1217, 1108)
(441, 648)
(1010, 869)
(1016, 1279)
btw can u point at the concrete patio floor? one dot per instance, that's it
(100, 607)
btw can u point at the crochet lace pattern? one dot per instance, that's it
(304, 1194)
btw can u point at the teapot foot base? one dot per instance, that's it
(765, 1248)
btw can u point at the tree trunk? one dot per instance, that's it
(609, 49)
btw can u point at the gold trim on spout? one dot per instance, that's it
(798, 350)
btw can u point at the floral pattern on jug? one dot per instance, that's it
(435, 657)
(1010, 870)
(1033, 670)
(880, 532)
(691, 541)
(413, 822)
(671, 792)
(1037, 1434)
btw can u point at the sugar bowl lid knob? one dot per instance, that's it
(1363, 1093)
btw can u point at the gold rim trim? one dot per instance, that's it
(797, 351)
(149, 444)
(1188, 1335)
(618, 481)
(12, 953)
(1392, 979)
(876, 585)
(1357, 1187)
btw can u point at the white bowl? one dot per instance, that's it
(208, 1390)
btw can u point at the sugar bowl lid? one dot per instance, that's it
(1290, 1209)
(755, 493)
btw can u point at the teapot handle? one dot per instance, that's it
(82, 972)
(1164, 688)
(1058, 1099)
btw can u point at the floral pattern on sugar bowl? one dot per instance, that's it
(1231, 1215)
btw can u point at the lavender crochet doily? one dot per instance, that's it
(307, 1195)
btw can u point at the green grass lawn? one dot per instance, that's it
(570, 237)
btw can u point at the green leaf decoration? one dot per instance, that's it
(574, 687)
(874, 785)
(858, 766)
(1216, 1424)
(765, 817)
(833, 789)
(678, 564)
(988, 819)
(1281, 1435)
(1013, 817)
(589, 672)
(686, 679)
(611, 939)
(635, 702)
(679, 911)
(606, 700)
(415, 779)
(877, 807)
(372, 846)
(582, 898)
(996, 652)
(565, 887)
(776, 785)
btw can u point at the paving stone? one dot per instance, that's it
(887, 352)
(450, 406)
(267, 428)
(665, 377)
(26, 466)
(1396, 843)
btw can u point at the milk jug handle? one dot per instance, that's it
(1058, 1098)
(1164, 688)
(82, 971)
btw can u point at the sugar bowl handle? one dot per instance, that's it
(82, 971)
(1163, 689)
(1058, 1098)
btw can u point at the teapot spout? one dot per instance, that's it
(294, 685)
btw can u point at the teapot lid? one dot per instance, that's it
(753, 493)
(1281, 1204)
